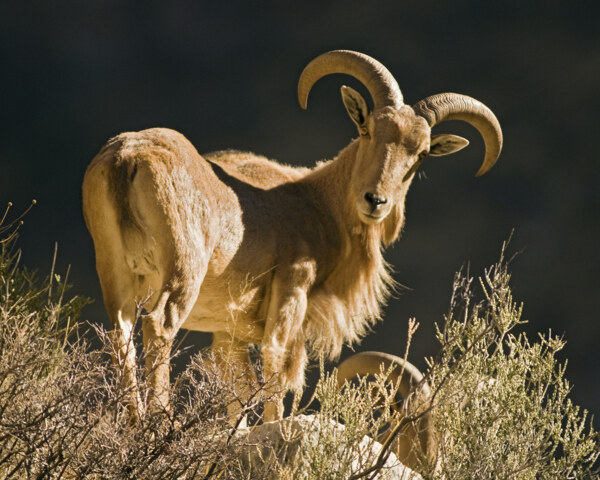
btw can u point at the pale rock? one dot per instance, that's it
(284, 439)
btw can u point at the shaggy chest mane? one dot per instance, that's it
(349, 302)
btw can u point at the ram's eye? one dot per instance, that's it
(423, 154)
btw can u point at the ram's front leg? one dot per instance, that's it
(233, 362)
(283, 348)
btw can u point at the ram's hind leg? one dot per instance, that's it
(174, 252)
(173, 305)
(118, 285)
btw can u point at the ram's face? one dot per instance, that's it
(392, 145)
(395, 138)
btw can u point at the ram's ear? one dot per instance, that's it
(446, 144)
(356, 107)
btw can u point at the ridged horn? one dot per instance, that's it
(452, 106)
(380, 83)
(416, 438)
(371, 363)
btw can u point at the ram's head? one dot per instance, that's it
(395, 138)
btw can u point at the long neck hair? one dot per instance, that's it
(347, 304)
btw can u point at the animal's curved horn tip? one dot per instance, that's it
(303, 104)
(482, 171)
(486, 166)
(302, 98)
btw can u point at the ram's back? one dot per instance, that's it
(256, 170)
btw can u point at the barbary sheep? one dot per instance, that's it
(258, 253)
(416, 439)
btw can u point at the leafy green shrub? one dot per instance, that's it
(500, 401)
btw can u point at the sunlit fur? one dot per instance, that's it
(255, 252)
(341, 310)
(167, 227)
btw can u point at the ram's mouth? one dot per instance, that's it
(371, 218)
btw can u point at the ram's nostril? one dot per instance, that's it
(374, 200)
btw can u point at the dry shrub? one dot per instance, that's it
(61, 403)
(500, 402)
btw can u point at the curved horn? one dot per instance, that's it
(452, 106)
(417, 434)
(379, 81)
(371, 363)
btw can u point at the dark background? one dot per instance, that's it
(73, 74)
